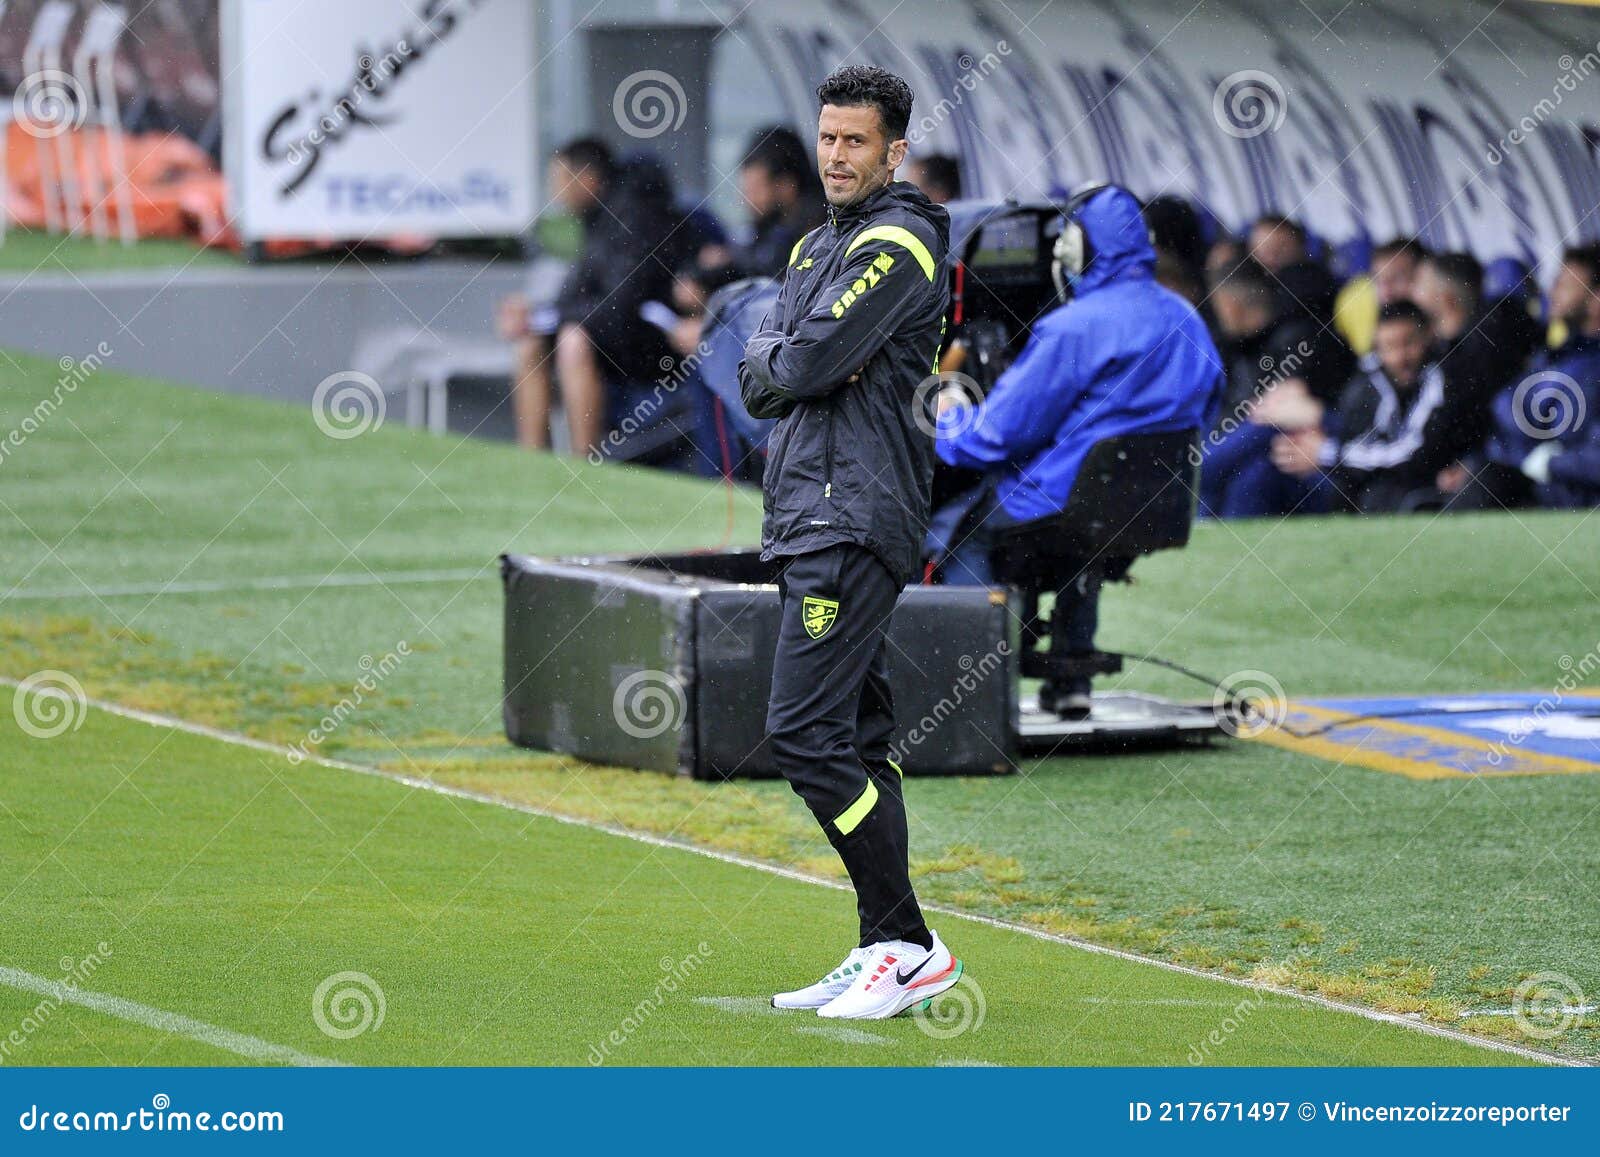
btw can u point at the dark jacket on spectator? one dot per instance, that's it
(775, 237)
(634, 242)
(1560, 405)
(1293, 347)
(1388, 442)
(1490, 353)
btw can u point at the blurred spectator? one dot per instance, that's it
(1394, 268)
(1221, 257)
(938, 175)
(634, 240)
(1479, 349)
(779, 182)
(578, 176)
(1546, 435)
(1177, 275)
(1489, 342)
(1281, 246)
(1267, 355)
(1267, 342)
(1277, 242)
(1381, 446)
(1511, 297)
(1239, 477)
(1177, 232)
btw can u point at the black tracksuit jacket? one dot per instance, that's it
(852, 461)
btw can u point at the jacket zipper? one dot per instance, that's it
(827, 458)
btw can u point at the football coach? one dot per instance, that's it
(855, 330)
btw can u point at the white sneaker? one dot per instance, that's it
(895, 976)
(830, 986)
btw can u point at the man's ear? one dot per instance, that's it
(897, 152)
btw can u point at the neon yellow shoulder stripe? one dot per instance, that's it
(851, 817)
(904, 238)
(794, 254)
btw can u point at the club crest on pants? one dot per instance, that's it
(818, 615)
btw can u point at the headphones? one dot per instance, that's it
(1073, 252)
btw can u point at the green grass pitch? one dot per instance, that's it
(27, 252)
(172, 551)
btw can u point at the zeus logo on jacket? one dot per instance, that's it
(881, 264)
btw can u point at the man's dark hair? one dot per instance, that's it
(942, 171)
(1464, 274)
(1277, 222)
(1403, 311)
(1400, 247)
(589, 153)
(855, 85)
(1250, 280)
(1587, 258)
(779, 150)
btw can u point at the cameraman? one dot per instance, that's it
(1122, 355)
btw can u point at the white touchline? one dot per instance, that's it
(429, 785)
(238, 1043)
(268, 583)
(849, 1036)
(1162, 1001)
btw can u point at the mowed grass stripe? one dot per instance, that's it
(231, 884)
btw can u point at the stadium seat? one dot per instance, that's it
(1134, 495)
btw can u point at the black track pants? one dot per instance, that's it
(830, 719)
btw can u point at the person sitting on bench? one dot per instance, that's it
(1120, 356)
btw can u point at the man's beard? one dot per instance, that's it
(866, 184)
